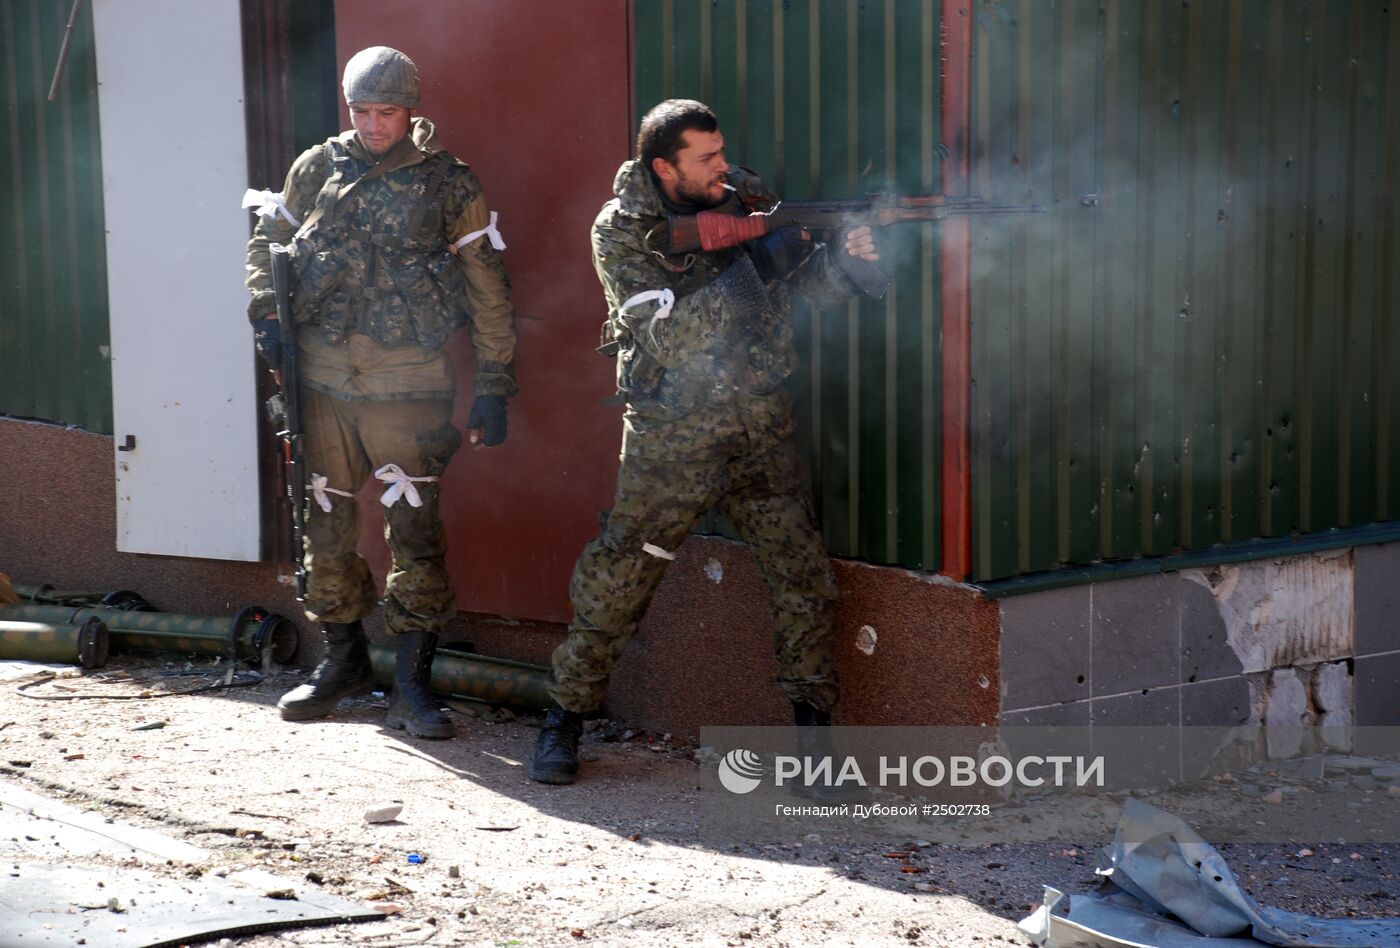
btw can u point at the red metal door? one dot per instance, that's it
(535, 96)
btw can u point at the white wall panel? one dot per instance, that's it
(174, 168)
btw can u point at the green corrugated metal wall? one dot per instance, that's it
(1196, 345)
(1193, 346)
(835, 99)
(53, 290)
(53, 286)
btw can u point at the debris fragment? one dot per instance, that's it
(383, 812)
(1166, 886)
(866, 639)
(714, 572)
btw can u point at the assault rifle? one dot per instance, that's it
(718, 229)
(285, 411)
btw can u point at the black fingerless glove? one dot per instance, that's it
(488, 415)
(267, 336)
(777, 254)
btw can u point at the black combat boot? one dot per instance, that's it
(556, 749)
(411, 708)
(343, 673)
(814, 741)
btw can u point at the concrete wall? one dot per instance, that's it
(1312, 639)
(1376, 671)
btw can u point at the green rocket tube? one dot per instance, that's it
(85, 644)
(242, 637)
(475, 677)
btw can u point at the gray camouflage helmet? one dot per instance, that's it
(382, 75)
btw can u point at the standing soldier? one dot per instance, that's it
(393, 249)
(705, 342)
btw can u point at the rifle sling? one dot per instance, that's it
(333, 192)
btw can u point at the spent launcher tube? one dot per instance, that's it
(716, 230)
(286, 411)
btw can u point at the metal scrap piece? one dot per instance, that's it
(1166, 887)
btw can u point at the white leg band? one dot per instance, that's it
(400, 485)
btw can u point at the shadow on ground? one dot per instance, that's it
(624, 850)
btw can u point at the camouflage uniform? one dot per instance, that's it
(708, 423)
(377, 294)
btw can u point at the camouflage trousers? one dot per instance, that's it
(346, 441)
(658, 502)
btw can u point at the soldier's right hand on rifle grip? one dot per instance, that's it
(267, 336)
(777, 254)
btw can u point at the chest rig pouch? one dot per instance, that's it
(639, 376)
(754, 357)
(380, 265)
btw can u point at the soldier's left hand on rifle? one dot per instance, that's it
(860, 242)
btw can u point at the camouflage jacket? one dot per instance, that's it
(709, 374)
(378, 288)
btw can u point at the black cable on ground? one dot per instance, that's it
(20, 690)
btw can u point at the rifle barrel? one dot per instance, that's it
(291, 434)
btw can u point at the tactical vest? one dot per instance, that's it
(759, 352)
(373, 259)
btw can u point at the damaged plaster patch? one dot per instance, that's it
(1286, 715)
(1284, 612)
(714, 571)
(1333, 696)
(866, 639)
(1332, 688)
